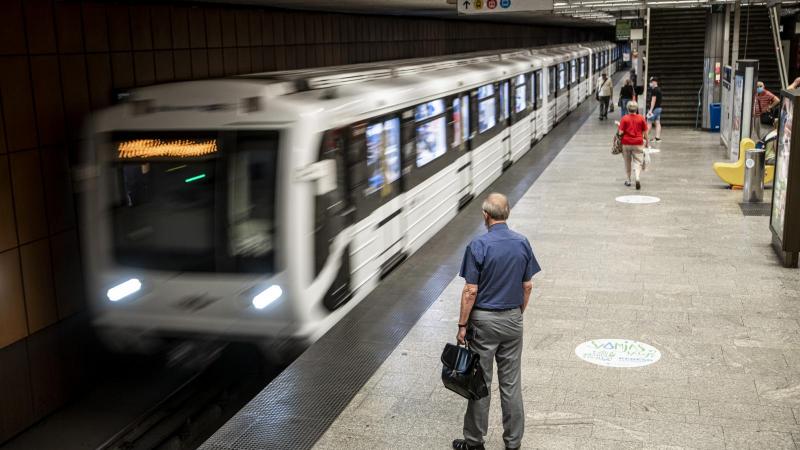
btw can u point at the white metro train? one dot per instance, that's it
(266, 206)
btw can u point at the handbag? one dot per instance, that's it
(646, 159)
(616, 145)
(462, 372)
(766, 118)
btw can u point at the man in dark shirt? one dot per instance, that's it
(654, 107)
(497, 267)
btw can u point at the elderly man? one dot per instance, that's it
(497, 267)
(762, 105)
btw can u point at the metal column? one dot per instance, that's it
(645, 81)
(737, 13)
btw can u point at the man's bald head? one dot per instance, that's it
(496, 207)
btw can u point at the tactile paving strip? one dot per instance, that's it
(755, 209)
(298, 406)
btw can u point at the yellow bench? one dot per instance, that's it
(733, 172)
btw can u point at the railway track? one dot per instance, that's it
(193, 411)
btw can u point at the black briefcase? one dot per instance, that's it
(462, 372)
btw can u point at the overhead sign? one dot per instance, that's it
(637, 29)
(502, 6)
(623, 30)
(622, 353)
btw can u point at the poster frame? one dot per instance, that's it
(786, 242)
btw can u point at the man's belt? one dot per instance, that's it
(495, 310)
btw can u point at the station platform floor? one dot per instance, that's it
(691, 275)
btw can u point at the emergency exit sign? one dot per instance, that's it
(502, 6)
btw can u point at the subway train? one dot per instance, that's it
(265, 206)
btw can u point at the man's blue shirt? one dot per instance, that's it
(499, 262)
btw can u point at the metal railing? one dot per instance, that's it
(699, 107)
(775, 27)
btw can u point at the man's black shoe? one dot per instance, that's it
(461, 444)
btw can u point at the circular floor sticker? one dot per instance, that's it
(638, 199)
(617, 353)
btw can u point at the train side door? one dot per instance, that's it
(383, 144)
(505, 120)
(533, 106)
(333, 214)
(551, 96)
(459, 122)
(375, 178)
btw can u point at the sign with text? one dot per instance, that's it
(502, 6)
(623, 30)
(621, 353)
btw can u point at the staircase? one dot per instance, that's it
(675, 57)
(755, 42)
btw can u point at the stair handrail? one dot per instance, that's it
(774, 22)
(699, 106)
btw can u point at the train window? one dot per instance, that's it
(487, 114)
(573, 71)
(583, 67)
(562, 76)
(520, 94)
(428, 110)
(534, 89)
(383, 154)
(552, 80)
(485, 91)
(504, 100)
(465, 117)
(197, 212)
(457, 130)
(539, 89)
(431, 141)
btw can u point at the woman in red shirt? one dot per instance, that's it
(633, 133)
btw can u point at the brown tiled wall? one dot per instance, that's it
(59, 60)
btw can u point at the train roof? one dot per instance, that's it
(341, 91)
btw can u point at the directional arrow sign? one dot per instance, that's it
(502, 6)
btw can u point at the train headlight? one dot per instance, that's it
(123, 290)
(267, 296)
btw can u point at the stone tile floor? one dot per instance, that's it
(689, 275)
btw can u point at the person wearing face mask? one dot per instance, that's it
(497, 267)
(654, 107)
(764, 102)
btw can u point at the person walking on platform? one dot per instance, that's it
(498, 267)
(604, 93)
(626, 94)
(632, 131)
(762, 106)
(654, 106)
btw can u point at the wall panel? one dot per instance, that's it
(37, 278)
(39, 26)
(13, 322)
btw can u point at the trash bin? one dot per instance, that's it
(754, 176)
(714, 116)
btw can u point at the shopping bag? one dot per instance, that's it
(616, 145)
(646, 160)
(462, 372)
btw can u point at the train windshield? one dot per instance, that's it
(202, 202)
